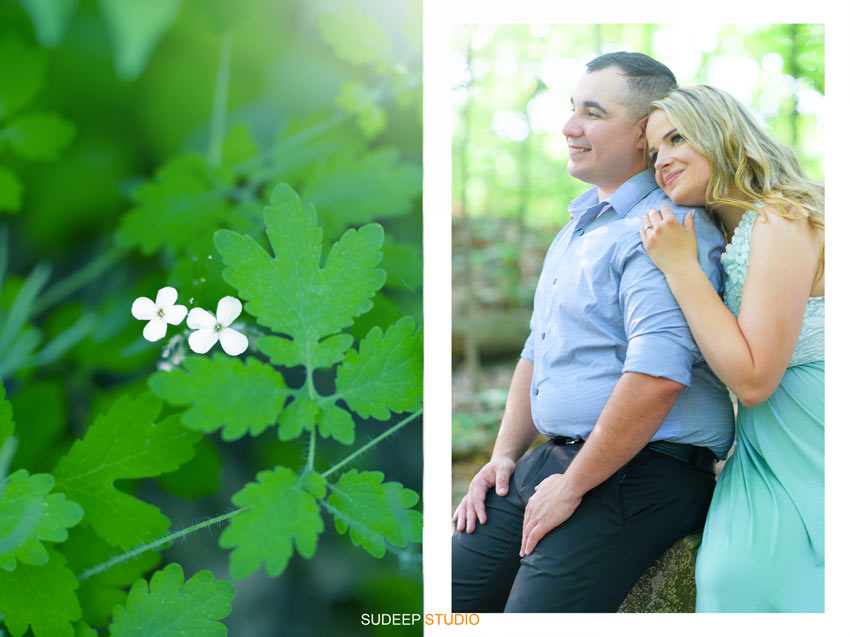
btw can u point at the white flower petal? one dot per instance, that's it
(233, 342)
(155, 329)
(165, 297)
(200, 341)
(143, 309)
(229, 308)
(199, 318)
(174, 314)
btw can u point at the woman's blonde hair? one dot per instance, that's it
(747, 165)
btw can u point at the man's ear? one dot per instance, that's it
(642, 128)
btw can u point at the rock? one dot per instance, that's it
(668, 585)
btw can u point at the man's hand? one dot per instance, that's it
(551, 505)
(496, 473)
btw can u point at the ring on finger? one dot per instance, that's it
(647, 226)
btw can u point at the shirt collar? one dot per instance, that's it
(621, 200)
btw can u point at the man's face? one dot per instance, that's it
(605, 144)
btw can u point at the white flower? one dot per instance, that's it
(158, 313)
(209, 328)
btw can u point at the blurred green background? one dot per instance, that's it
(231, 98)
(510, 189)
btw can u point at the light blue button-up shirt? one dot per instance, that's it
(602, 308)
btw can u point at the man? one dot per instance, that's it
(610, 373)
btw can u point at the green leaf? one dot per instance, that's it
(386, 374)
(224, 393)
(29, 513)
(336, 422)
(290, 292)
(374, 512)
(40, 596)
(351, 190)
(10, 191)
(135, 28)
(282, 511)
(356, 97)
(40, 136)
(100, 593)
(298, 416)
(50, 18)
(327, 353)
(21, 81)
(178, 209)
(354, 36)
(123, 443)
(171, 607)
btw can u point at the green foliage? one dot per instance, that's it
(30, 514)
(289, 292)
(374, 512)
(41, 597)
(126, 442)
(385, 375)
(225, 394)
(32, 136)
(262, 534)
(171, 607)
(135, 28)
(91, 467)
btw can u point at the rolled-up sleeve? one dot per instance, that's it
(659, 341)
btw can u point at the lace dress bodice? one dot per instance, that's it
(810, 344)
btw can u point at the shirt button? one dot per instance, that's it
(580, 231)
(554, 281)
(543, 336)
(536, 390)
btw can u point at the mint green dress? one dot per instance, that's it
(762, 547)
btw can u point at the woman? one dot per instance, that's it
(762, 548)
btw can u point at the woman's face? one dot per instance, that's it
(680, 170)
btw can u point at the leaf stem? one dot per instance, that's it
(371, 443)
(218, 120)
(155, 544)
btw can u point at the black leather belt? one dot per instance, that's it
(700, 457)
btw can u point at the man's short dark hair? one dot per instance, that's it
(647, 79)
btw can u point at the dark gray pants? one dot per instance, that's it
(590, 562)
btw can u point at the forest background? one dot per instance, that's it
(510, 189)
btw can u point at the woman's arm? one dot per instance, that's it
(750, 353)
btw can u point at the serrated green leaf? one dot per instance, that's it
(123, 443)
(178, 210)
(134, 29)
(354, 36)
(40, 596)
(350, 190)
(336, 422)
(39, 136)
(30, 514)
(282, 511)
(100, 593)
(301, 414)
(171, 607)
(224, 393)
(10, 191)
(50, 19)
(374, 512)
(290, 292)
(386, 374)
(19, 82)
(326, 353)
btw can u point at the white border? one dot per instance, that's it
(439, 18)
